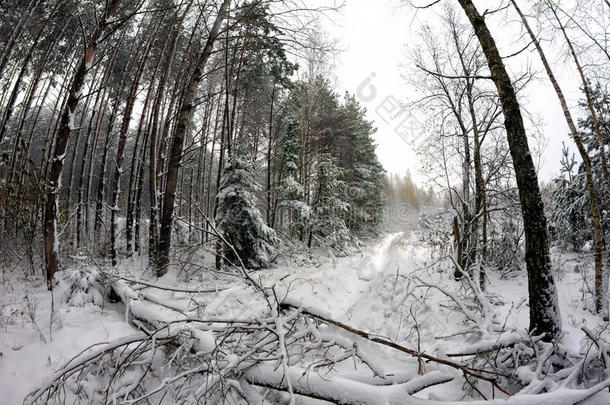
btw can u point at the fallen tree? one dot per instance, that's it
(179, 357)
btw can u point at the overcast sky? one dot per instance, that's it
(375, 38)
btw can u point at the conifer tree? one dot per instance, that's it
(328, 227)
(291, 193)
(239, 220)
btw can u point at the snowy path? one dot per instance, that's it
(355, 288)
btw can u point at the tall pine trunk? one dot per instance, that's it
(184, 116)
(66, 126)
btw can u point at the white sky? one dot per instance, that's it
(375, 36)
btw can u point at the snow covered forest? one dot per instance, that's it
(194, 208)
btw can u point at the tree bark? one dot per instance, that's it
(175, 157)
(66, 126)
(544, 307)
(600, 292)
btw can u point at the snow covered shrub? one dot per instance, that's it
(505, 251)
(85, 286)
(435, 228)
(239, 220)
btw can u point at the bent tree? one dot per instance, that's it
(600, 292)
(544, 307)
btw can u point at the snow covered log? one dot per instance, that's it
(349, 392)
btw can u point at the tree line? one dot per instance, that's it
(135, 126)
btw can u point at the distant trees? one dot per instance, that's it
(402, 189)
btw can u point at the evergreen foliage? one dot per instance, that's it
(239, 220)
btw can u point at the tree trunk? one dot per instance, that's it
(175, 157)
(120, 153)
(600, 292)
(30, 97)
(601, 277)
(135, 168)
(66, 126)
(544, 307)
(269, 156)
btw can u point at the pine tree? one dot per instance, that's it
(364, 173)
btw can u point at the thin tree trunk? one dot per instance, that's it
(595, 214)
(209, 185)
(478, 168)
(100, 199)
(269, 146)
(34, 87)
(81, 170)
(120, 153)
(134, 169)
(601, 276)
(156, 163)
(223, 135)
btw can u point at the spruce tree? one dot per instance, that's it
(239, 220)
(328, 228)
(291, 192)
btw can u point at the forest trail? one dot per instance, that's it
(357, 287)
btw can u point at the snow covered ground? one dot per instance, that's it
(385, 290)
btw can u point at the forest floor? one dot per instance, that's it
(390, 288)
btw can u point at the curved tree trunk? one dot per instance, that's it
(66, 126)
(600, 292)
